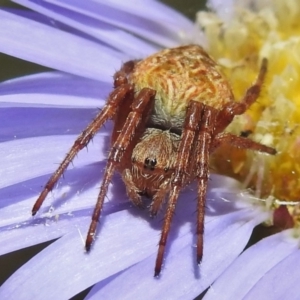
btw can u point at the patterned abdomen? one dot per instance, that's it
(179, 75)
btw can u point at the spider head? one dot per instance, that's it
(155, 153)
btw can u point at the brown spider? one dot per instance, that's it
(169, 112)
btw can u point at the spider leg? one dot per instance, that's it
(108, 111)
(123, 93)
(240, 142)
(232, 109)
(141, 105)
(203, 147)
(181, 176)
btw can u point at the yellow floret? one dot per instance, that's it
(238, 45)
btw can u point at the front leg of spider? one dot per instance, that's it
(140, 111)
(122, 91)
(182, 174)
(203, 146)
(159, 197)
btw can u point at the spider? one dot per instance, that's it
(170, 111)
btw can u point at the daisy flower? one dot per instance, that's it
(84, 43)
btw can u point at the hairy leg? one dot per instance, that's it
(141, 108)
(123, 92)
(232, 109)
(181, 176)
(108, 111)
(240, 142)
(203, 147)
(159, 197)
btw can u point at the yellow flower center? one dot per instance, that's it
(238, 45)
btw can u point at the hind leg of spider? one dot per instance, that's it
(137, 118)
(240, 142)
(122, 92)
(232, 109)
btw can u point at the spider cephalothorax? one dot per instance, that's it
(170, 111)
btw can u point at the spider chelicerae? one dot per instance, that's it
(170, 111)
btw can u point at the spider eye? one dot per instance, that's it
(150, 163)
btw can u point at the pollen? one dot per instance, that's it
(269, 31)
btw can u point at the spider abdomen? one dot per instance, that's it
(179, 75)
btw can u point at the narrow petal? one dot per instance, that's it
(281, 282)
(34, 157)
(45, 45)
(159, 33)
(219, 252)
(255, 263)
(117, 248)
(47, 121)
(152, 10)
(39, 230)
(54, 89)
(108, 34)
(183, 28)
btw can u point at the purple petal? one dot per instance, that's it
(255, 263)
(56, 49)
(54, 89)
(39, 230)
(159, 33)
(117, 248)
(152, 10)
(78, 193)
(104, 32)
(20, 157)
(225, 238)
(282, 281)
(183, 29)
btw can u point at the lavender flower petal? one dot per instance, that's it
(117, 248)
(38, 230)
(183, 28)
(108, 34)
(218, 254)
(160, 33)
(20, 153)
(46, 46)
(281, 282)
(54, 89)
(153, 10)
(255, 262)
